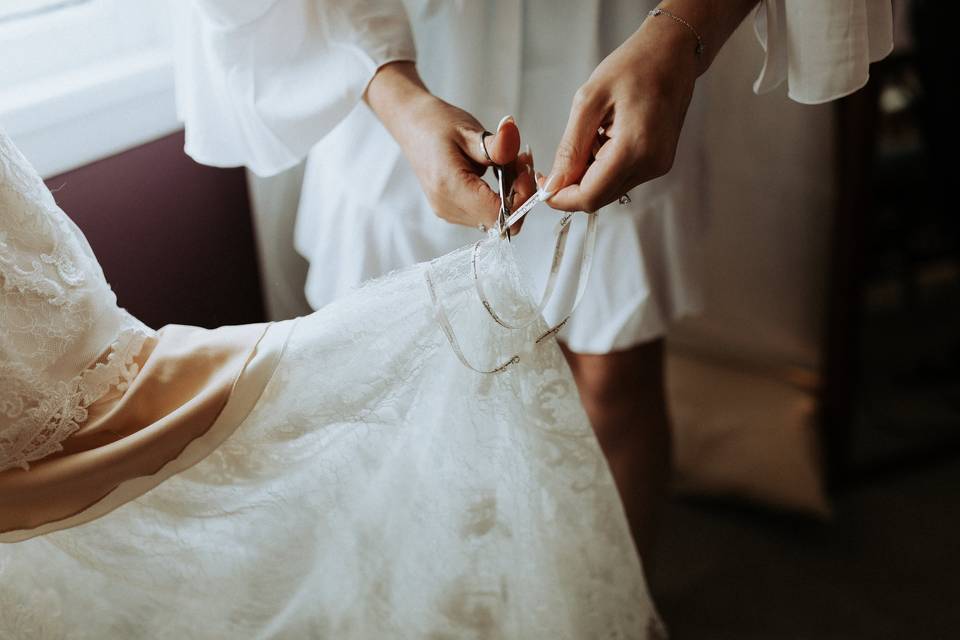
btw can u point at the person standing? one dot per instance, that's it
(389, 103)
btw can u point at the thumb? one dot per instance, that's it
(574, 151)
(503, 146)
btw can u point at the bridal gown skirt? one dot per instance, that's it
(378, 489)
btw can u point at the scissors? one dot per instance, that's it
(505, 175)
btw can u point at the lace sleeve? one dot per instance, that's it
(64, 343)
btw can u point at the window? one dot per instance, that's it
(46, 37)
(19, 9)
(81, 79)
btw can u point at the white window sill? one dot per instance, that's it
(68, 120)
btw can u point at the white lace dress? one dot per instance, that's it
(377, 489)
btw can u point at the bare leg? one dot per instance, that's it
(623, 393)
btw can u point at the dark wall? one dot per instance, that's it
(175, 238)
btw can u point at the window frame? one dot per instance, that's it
(84, 81)
(41, 7)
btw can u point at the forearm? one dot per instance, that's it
(393, 92)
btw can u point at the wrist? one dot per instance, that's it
(660, 57)
(395, 91)
(672, 45)
(712, 20)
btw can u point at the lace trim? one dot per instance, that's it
(57, 413)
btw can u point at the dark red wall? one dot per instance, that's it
(175, 238)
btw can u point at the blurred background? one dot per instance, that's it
(816, 403)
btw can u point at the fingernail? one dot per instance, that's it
(552, 183)
(526, 150)
(504, 121)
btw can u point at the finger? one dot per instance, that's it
(471, 200)
(605, 180)
(574, 151)
(474, 199)
(503, 146)
(478, 203)
(525, 161)
(524, 186)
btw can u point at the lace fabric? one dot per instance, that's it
(63, 341)
(377, 489)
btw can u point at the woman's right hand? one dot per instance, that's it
(443, 145)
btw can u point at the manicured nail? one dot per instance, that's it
(552, 183)
(504, 121)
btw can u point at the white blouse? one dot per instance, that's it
(822, 48)
(261, 81)
(269, 82)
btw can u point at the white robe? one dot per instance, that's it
(268, 83)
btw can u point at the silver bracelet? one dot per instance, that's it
(658, 11)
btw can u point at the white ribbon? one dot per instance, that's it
(586, 263)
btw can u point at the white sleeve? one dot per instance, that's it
(64, 342)
(822, 48)
(259, 82)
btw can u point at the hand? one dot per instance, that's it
(443, 145)
(639, 95)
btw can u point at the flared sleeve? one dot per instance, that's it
(821, 48)
(259, 82)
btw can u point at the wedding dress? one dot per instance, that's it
(342, 475)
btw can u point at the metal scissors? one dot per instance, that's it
(505, 175)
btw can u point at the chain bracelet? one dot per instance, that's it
(658, 11)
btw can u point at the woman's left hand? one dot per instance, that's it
(639, 96)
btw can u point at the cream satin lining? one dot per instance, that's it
(263, 353)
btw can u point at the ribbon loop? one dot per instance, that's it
(563, 231)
